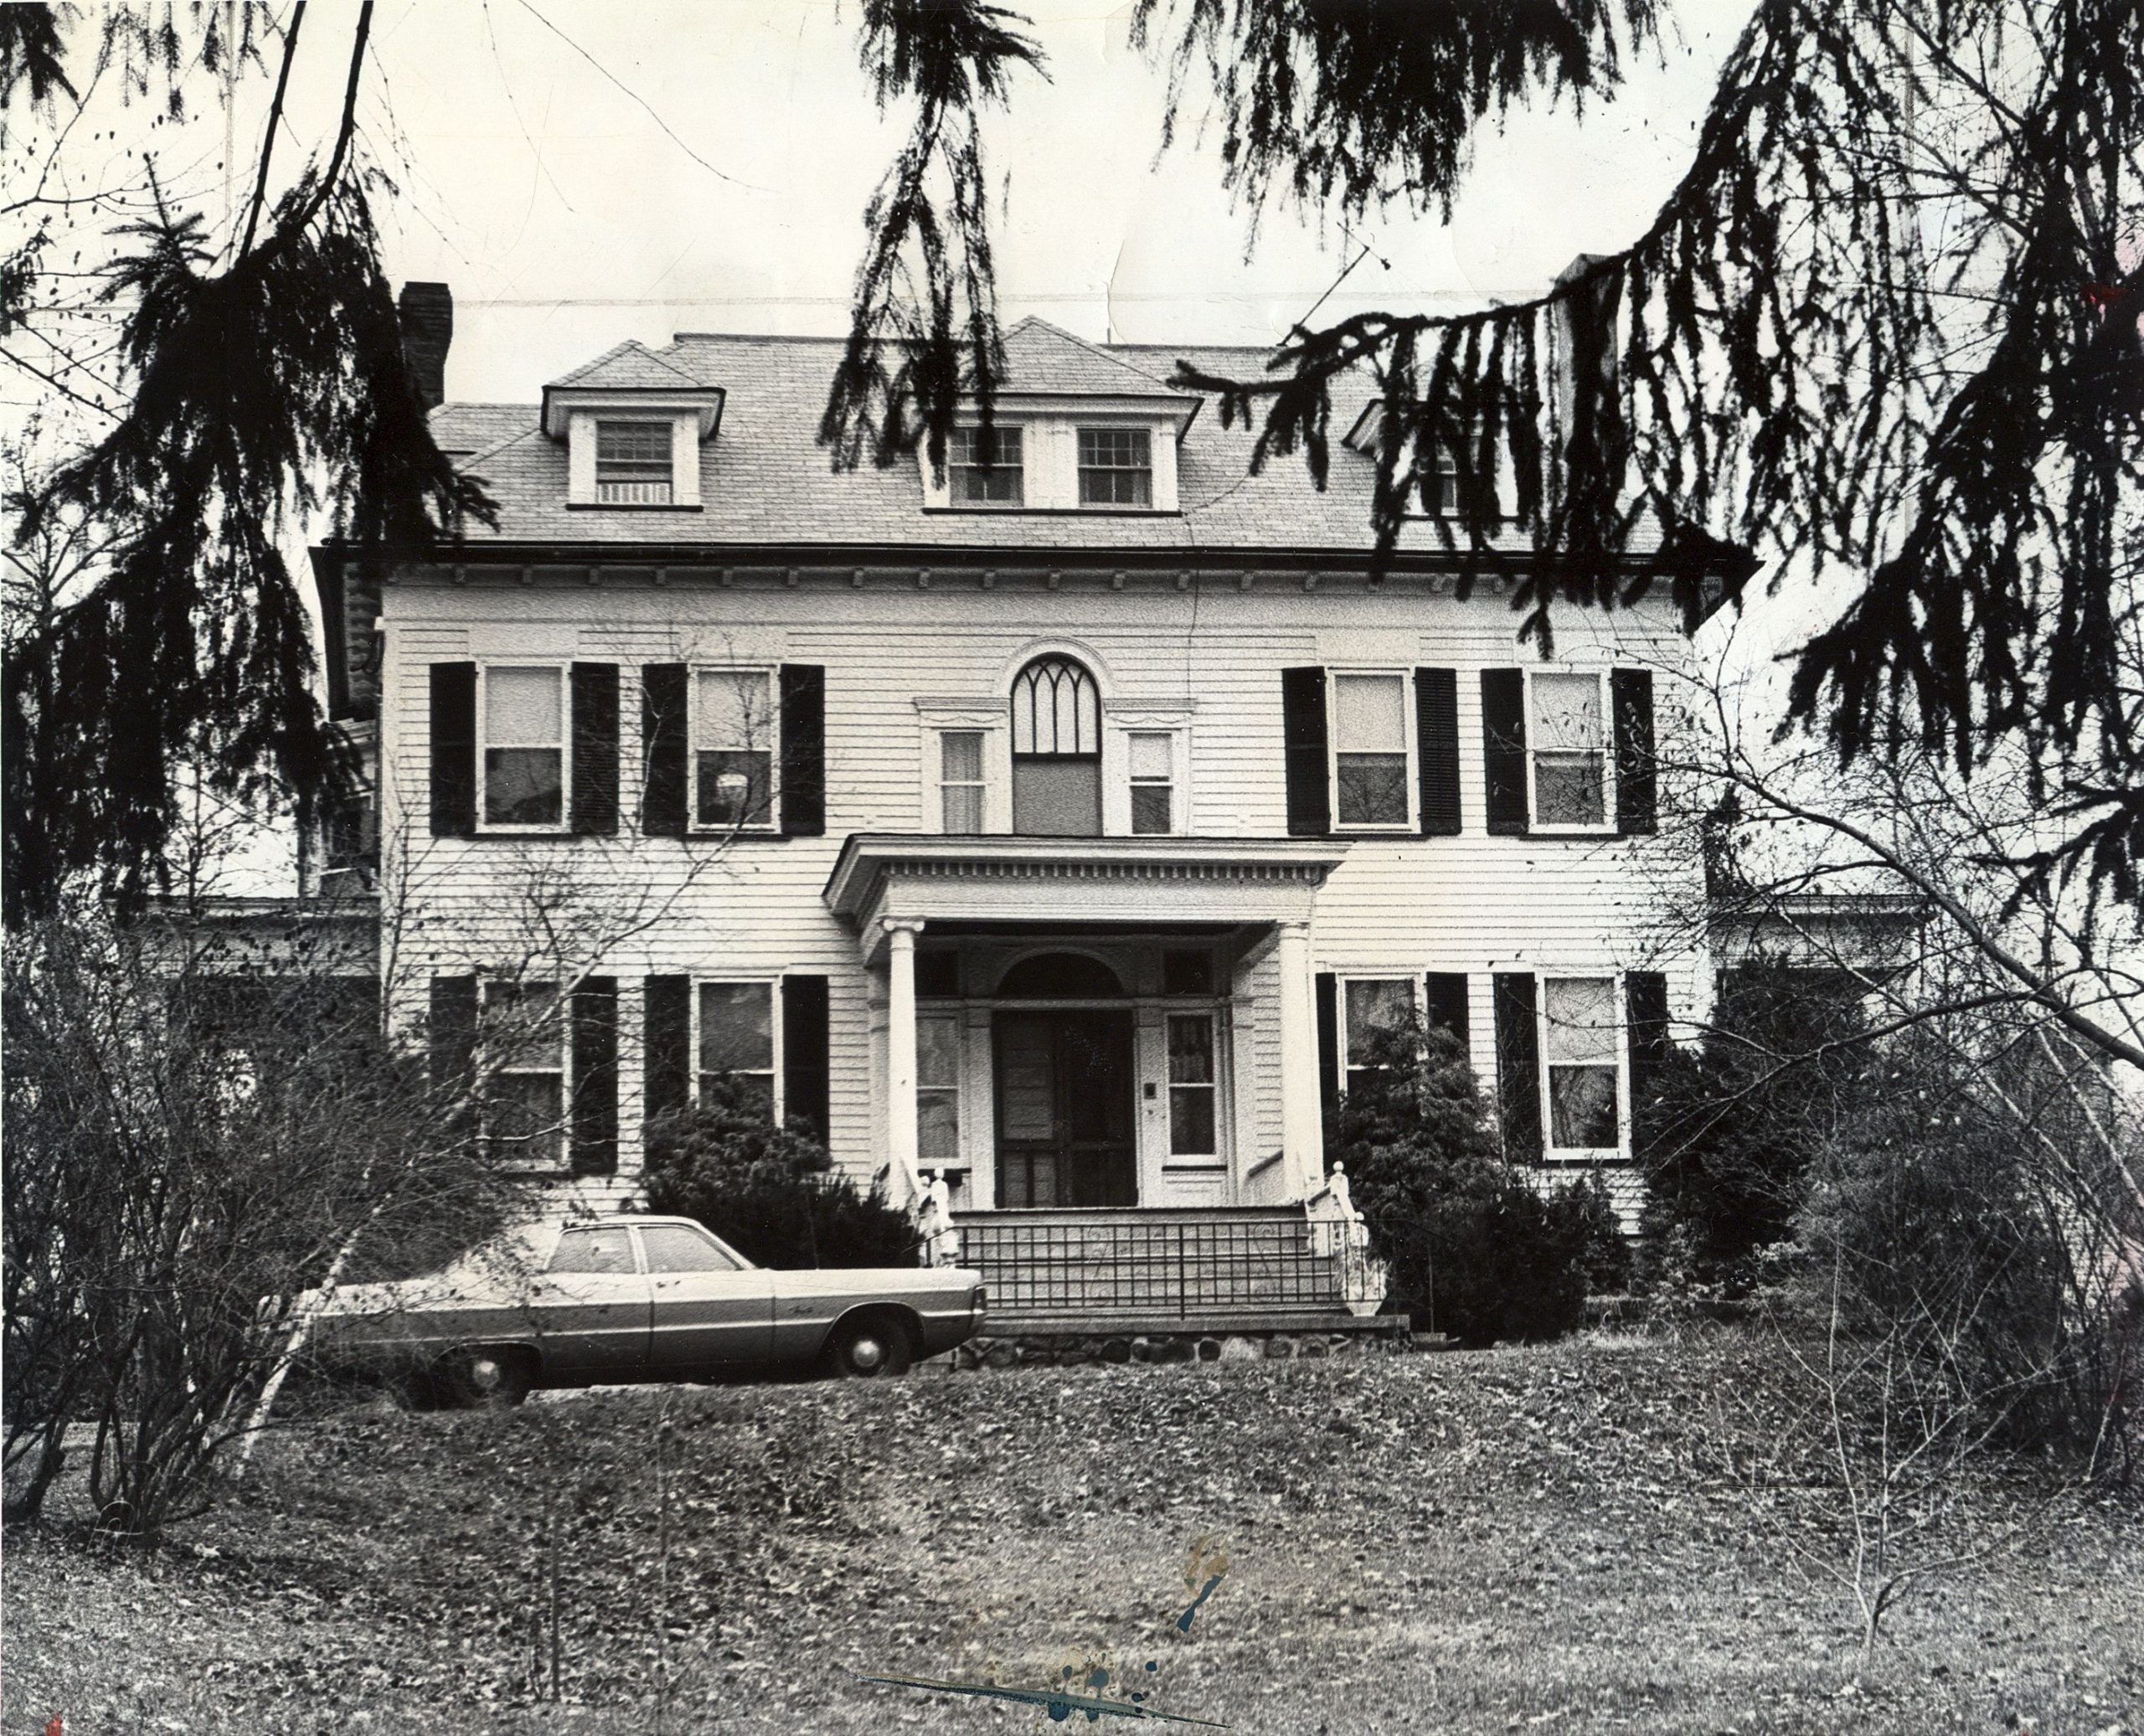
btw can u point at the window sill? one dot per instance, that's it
(645, 506)
(1010, 511)
(737, 834)
(1195, 1165)
(1603, 831)
(523, 833)
(1606, 1154)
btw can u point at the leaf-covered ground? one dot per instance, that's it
(1599, 1535)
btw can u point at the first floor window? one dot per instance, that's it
(986, 467)
(1567, 729)
(733, 747)
(1369, 750)
(960, 780)
(632, 464)
(524, 1038)
(1580, 1050)
(524, 716)
(1117, 467)
(938, 1089)
(1152, 754)
(736, 1039)
(1193, 1083)
(1373, 1005)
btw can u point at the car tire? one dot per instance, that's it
(416, 1390)
(870, 1347)
(483, 1378)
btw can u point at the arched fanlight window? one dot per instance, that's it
(1057, 748)
(1059, 976)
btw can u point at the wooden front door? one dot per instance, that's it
(1064, 1110)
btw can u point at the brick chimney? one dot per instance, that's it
(426, 311)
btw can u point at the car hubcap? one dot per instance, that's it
(867, 1354)
(486, 1375)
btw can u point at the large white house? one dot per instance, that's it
(1058, 827)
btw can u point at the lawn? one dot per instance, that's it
(1587, 1537)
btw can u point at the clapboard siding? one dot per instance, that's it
(1402, 906)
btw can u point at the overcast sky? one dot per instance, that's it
(715, 179)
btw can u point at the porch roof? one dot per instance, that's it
(881, 878)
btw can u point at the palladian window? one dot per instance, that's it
(1057, 751)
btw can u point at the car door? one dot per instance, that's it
(591, 1307)
(712, 1308)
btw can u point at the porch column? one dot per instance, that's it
(1302, 1135)
(903, 1181)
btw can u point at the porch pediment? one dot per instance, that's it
(881, 878)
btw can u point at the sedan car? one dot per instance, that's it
(583, 1302)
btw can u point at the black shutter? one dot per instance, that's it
(1436, 739)
(803, 750)
(1443, 1001)
(666, 1046)
(596, 1070)
(1645, 1012)
(1636, 800)
(662, 804)
(1302, 729)
(1518, 1067)
(454, 750)
(804, 1056)
(1503, 748)
(1328, 1049)
(595, 749)
(451, 1035)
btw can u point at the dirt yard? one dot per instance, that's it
(1600, 1535)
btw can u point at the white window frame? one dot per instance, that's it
(979, 783)
(1080, 431)
(772, 675)
(1178, 783)
(1410, 734)
(1606, 826)
(484, 744)
(668, 483)
(773, 985)
(954, 470)
(951, 1014)
(1411, 981)
(1550, 1152)
(501, 1066)
(1219, 1034)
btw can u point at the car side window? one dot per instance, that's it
(679, 1248)
(594, 1250)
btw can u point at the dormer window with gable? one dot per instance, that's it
(1117, 467)
(987, 467)
(633, 463)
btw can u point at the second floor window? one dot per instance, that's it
(960, 780)
(1057, 751)
(524, 715)
(1369, 750)
(632, 464)
(1567, 729)
(733, 748)
(986, 467)
(1117, 467)
(1152, 753)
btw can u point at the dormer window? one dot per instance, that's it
(1117, 467)
(633, 465)
(987, 467)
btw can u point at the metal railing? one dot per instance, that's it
(1173, 1268)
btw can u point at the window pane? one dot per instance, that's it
(1150, 810)
(523, 1025)
(523, 787)
(1566, 713)
(1373, 789)
(1191, 1050)
(736, 1027)
(733, 710)
(1582, 1108)
(1369, 714)
(963, 808)
(754, 1090)
(678, 1248)
(733, 789)
(594, 1250)
(1569, 790)
(1373, 1006)
(1191, 1121)
(960, 756)
(525, 1111)
(938, 1126)
(1581, 1018)
(1152, 754)
(524, 707)
(638, 444)
(937, 1052)
(1056, 798)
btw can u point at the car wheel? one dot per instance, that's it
(483, 1379)
(870, 1347)
(416, 1390)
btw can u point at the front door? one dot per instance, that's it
(1064, 1110)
